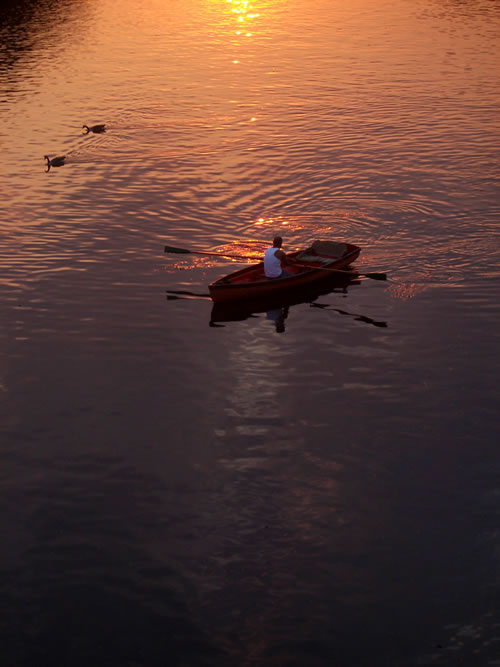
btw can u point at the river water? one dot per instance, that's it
(176, 493)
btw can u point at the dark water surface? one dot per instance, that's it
(176, 493)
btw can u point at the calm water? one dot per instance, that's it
(176, 493)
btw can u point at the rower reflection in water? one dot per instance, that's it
(278, 317)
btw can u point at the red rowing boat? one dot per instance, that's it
(321, 261)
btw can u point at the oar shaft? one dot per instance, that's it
(184, 251)
(374, 276)
(325, 268)
(187, 293)
(212, 254)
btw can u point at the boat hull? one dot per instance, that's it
(251, 284)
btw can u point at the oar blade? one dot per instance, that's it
(182, 251)
(376, 276)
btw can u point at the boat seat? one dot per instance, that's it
(316, 259)
(329, 248)
(323, 252)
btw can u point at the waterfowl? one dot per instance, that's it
(96, 129)
(55, 161)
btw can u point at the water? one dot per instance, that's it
(185, 494)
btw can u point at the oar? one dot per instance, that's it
(185, 251)
(186, 293)
(361, 318)
(373, 276)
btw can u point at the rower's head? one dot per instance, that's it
(277, 241)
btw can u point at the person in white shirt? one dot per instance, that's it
(275, 259)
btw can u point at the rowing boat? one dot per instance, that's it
(315, 264)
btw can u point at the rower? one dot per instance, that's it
(275, 259)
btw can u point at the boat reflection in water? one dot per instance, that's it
(277, 308)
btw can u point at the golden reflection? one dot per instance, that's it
(236, 252)
(244, 12)
(405, 291)
(250, 249)
(272, 222)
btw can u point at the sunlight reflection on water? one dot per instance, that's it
(273, 495)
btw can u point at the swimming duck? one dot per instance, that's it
(55, 161)
(96, 129)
